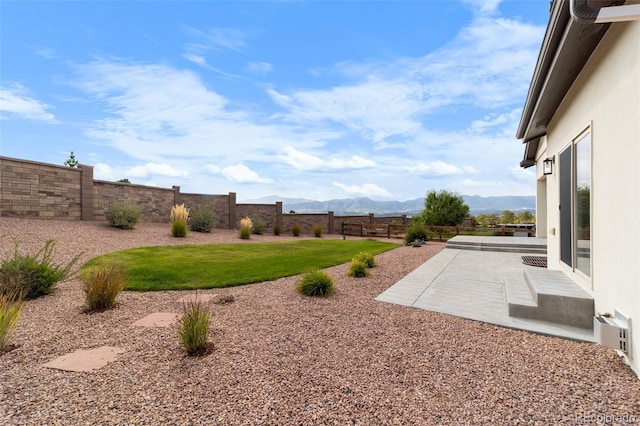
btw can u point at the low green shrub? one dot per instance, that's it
(179, 228)
(33, 275)
(10, 309)
(277, 229)
(367, 258)
(122, 215)
(193, 327)
(416, 234)
(201, 219)
(101, 285)
(295, 230)
(315, 283)
(258, 226)
(358, 269)
(317, 231)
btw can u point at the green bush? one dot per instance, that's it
(358, 269)
(201, 219)
(366, 258)
(194, 328)
(315, 283)
(123, 216)
(317, 231)
(258, 226)
(277, 229)
(10, 309)
(296, 230)
(179, 228)
(101, 285)
(416, 234)
(245, 233)
(33, 275)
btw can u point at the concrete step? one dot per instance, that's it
(554, 298)
(498, 248)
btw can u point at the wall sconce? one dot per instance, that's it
(547, 165)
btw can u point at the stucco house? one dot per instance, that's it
(581, 130)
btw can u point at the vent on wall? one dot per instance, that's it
(613, 332)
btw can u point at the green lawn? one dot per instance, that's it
(224, 265)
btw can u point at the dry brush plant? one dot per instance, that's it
(315, 283)
(102, 284)
(246, 225)
(193, 327)
(179, 217)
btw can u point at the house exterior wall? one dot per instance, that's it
(605, 98)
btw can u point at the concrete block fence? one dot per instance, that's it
(32, 189)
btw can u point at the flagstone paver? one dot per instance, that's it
(85, 359)
(157, 319)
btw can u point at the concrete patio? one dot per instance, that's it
(485, 280)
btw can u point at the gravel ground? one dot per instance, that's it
(281, 358)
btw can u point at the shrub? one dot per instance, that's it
(201, 219)
(33, 275)
(277, 229)
(317, 231)
(10, 309)
(315, 283)
(258, 226)
(102, 285)
(246, 224)
(194, 327)
(179, 228)
(416, 234)
(358, 269)
(296, 230)
(123, 216)
(366, 258)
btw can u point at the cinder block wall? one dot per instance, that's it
(39, 190)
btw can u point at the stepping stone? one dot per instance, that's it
(85, 359)
(158, 319)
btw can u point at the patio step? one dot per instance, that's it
(552, 297)
(499, 244)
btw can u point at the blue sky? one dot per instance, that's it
(319, 100)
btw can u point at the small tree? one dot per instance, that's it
(124, 180)
(525, 217)
(71, 161)
(507, 216)
(443, 208)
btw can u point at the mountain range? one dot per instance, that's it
(345, 206)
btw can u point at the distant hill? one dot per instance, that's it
(477, 205)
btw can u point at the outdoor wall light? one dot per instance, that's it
(547, 165)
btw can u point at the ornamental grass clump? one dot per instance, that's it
(246, 224)
(33, 275)
(10, 310)
(102, 284)
(357, 269)
(315, 283)
(277, 229)
(317, 231)
(295, 230)
(416, 236)
(179, 217)
(193, 327)
(122, 215)
(367, 258)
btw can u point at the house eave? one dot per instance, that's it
(566, 48)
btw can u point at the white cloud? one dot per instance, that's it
(156, 170)
(523, 175)
(259, 67)
(216, 38)
(439, 168)
(369, 190)
(303, 161)
(16, 102)
(102, 171)
(483, 7)
(238, 173)
(196, 59)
